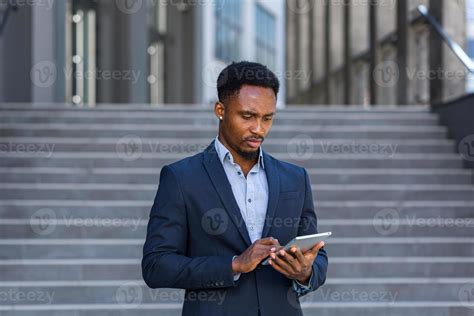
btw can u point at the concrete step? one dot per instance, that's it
(91, 292)
(197, 131)
(442, 308)
(139, 159)
(49, 227)
(411, 110)
(421, 308)
(318, 176)
(127, 111)
(133, 248)
(208, 119)
(343, 267)
(357, 309)
(62, 209)
(202, 127)
(390, 147)
(386, 182)
(463, 178)
(101, 191)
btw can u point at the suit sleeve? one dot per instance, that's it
(164, 263)
(308, 226)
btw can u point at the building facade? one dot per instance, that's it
(86, 52)
(374, 52)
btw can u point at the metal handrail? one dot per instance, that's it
(10, 5)
(455, 47)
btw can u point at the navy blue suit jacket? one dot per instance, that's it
(196, 228)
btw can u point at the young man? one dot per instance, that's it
(218, 214)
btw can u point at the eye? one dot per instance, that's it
(247, 117)
(268, 118)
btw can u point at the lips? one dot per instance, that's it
(254, 143)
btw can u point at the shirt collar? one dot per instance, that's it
(223, 153)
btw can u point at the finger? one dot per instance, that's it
(275, 261)
(278, 268)
(296, 252)
(293, 262)
(268, 241)
(285, 256)
(265, 251)
(275, 249)
(282, 263)
(314, 251)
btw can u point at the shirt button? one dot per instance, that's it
(250, 200)
(239, 173)
(251, 227)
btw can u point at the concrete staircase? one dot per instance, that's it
(77, 186)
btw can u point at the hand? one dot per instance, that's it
(294, 264)
(252, 256)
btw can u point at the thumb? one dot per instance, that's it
(313, 252)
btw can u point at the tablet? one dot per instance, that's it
(304, 243)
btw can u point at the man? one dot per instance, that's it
(219, 214)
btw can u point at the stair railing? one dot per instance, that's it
(8, 6)
(453, 45)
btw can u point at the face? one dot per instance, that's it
(247, 118)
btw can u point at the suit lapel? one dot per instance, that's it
(273, 180)
(219, 179)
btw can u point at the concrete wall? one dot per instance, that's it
(180, 47)
(387, 21)
(359, 26)
(122, 41)
(319, 58)
(2, 65)
(16, 43)
(43, 30)
(455, 24)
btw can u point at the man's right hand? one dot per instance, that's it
(254, 254)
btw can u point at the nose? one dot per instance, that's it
(257, 128)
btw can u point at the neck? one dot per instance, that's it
(245, 163)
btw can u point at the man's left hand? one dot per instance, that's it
(294, 264)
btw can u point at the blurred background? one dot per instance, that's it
(376, 103)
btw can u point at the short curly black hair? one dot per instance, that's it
(237, 74)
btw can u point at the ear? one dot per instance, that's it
(219, 110)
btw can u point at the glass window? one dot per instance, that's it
(265, 37)
(228, 30)
(82, 53)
